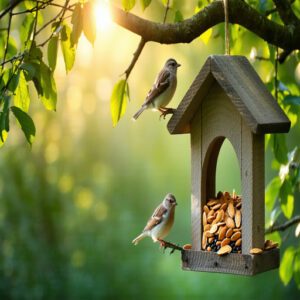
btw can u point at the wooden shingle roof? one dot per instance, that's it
(244, 88)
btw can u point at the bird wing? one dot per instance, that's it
(156, 218)
(160, 85)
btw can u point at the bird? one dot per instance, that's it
(161, 222)
(162, 90)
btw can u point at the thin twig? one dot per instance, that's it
(284, 226)
(62, 13)
(16, 57)
(34, 9)
(136, 55)
(7, 40)
(10, 8)
(166, 12)
(262, 58)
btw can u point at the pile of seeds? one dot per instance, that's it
(222, 220)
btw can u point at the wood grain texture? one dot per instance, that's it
(215, 120)
(253, 189)
(245, 89)
(196, 167)
(181, 119)
(203, 261)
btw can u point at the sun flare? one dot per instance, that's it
(102, 15)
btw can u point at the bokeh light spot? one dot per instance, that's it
(84, 198)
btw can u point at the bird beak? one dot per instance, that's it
(176, 203)
(178, 65)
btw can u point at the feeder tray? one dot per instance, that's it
(228, 100)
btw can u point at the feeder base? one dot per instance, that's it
(233, 263)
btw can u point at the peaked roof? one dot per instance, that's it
(244, 88)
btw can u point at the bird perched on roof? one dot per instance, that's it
(162, 90)
(161, 222)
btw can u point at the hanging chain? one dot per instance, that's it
(227, 34)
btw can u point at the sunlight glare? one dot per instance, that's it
(102, 15)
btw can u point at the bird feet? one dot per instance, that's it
(173, 247)
(166, 111)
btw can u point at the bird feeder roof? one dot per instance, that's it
(242, 86)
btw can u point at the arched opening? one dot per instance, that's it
(221, 201)
(228, 175)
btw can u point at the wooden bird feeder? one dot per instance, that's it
(228, 100)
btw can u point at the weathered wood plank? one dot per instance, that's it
(203, 261)
(196, 161)
(253, 192)
(248, 93)
(245, 89)
(181, 119)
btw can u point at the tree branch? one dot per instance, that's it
(186, 31)
(286, 12)
(284, 226)
(274, 9)
(136, 55)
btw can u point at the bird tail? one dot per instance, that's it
(138, 238)
(137, 114)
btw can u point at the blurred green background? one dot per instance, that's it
(71, 205)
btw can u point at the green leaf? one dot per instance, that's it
(280, 148)
(26, 28)
(29, 4)
(67, 47)
(128, 4)
(287, 206)
(21, 98)
(12, 47)
(4, 4)
(291, 99)
(206, 35)
(3, 135)
(286, 265)
(297, 269)
(13, 80)
(178, 16)
(26, 123)
(5, 76)
(164, 2)
(89, 22)
(77, 21)
(145, 3)
(52, 52)
(4, 117)
(30, 70)
(34, 55)
(118, 100)
(48, 86)
(286, 199)
(272, 191)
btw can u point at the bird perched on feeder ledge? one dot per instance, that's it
(161, 222)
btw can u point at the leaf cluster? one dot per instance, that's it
(26, 65)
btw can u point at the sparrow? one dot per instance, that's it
(162, 90)
(160, 223)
